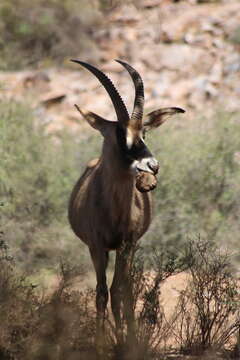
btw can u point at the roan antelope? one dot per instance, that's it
(106, 210)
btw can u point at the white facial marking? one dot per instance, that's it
(142, 139)
(134, 165)
(143, 164)
(129, 139)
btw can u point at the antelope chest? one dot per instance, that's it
(129, 221)
(110, 216)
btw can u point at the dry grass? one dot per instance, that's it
(43, 327)
(207, 314)
(62, 325)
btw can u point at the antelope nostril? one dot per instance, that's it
(153, 165)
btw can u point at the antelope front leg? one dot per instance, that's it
(122, 293)
(100, 261)
(116, 298)
(127, 255)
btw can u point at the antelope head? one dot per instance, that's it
(126, 136)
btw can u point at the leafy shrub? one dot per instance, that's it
(235, 36)
(37, 173)
(14, 312)
(43, 327)
(207, 314)
(199, 182)
(47, 29)
(152, 329)
(206, 317)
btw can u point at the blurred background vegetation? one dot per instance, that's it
(37, 173)
(49, 30)
(198, 189)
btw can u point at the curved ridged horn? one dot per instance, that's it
(137, 114)
(119, 106)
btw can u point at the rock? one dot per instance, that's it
(179, 57)
(111, 66)
(216, 73)
(127, 14)
(149, 4)
(52, 99)
(232, 64)
(36, 79)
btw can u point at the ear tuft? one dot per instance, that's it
(96, 121)
(158, 117)
(83, 113)
(89, 116)
(178, 110)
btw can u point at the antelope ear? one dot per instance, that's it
(96, 121)
(158, 117)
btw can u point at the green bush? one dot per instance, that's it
(52, 28)
(235, 36)
(207, 314)
(37, 173)
(33, 185)
(33, 326)
(49, 30)
(199, 181)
